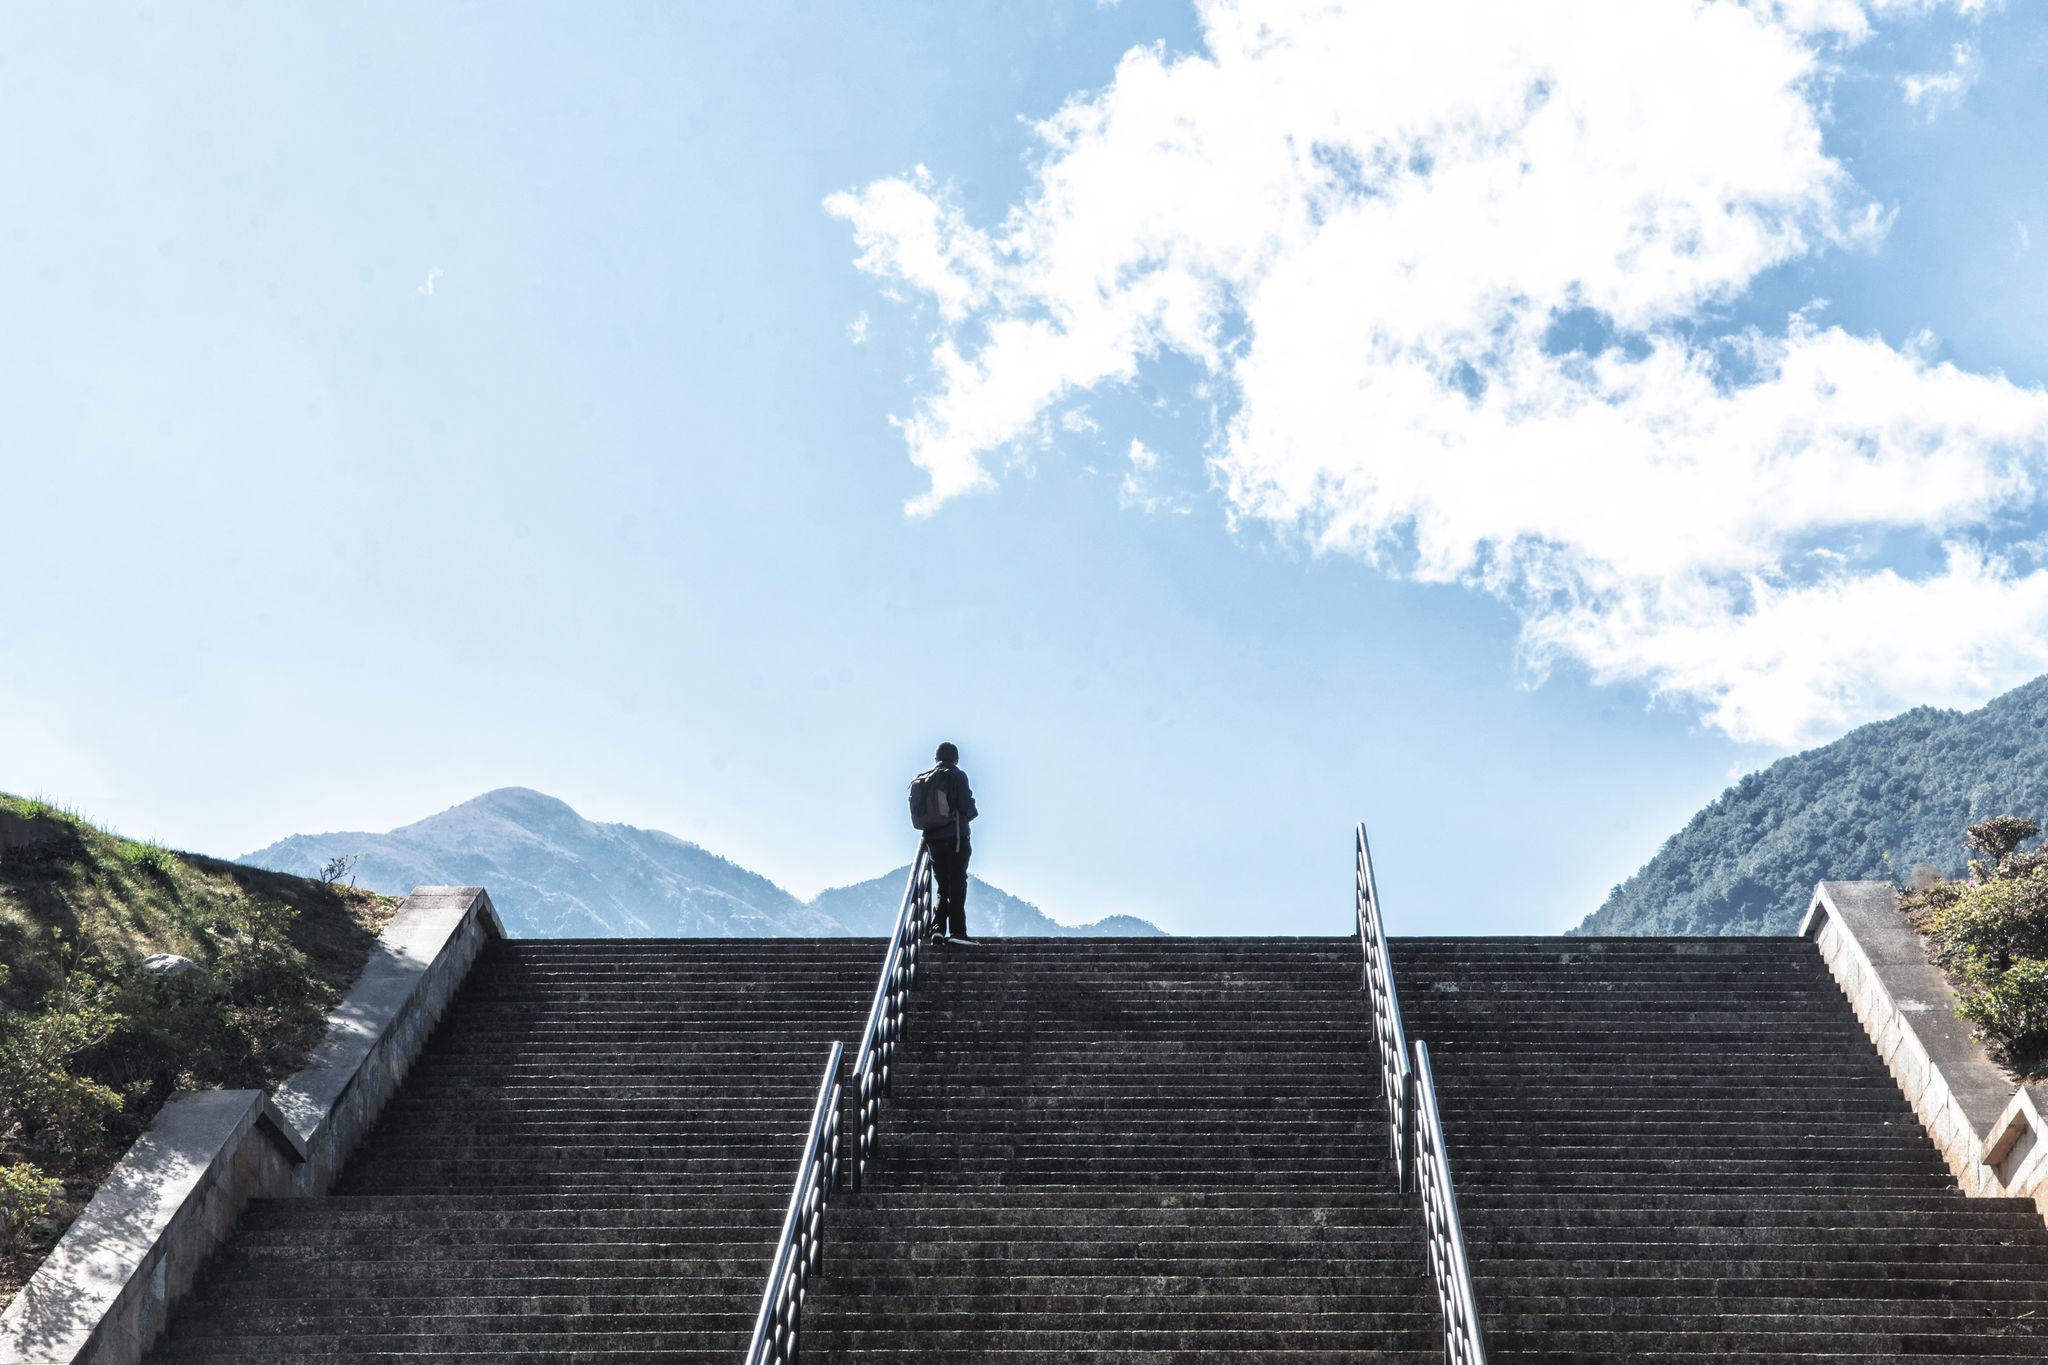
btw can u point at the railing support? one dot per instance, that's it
(778, 1326)
(873, 1062)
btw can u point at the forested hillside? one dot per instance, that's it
(1872, 804)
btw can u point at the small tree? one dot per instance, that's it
(1998, 837)
(337, 867)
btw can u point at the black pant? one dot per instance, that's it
(949, 869)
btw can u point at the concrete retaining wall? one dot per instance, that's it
(413, 972)
(103, 1295)
(1990, 1132)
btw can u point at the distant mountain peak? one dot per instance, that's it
(521, 806)
(554, 874)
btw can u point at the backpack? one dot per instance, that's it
(930, 807)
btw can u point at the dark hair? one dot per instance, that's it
(947, 753)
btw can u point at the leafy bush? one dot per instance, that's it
(26, 1195)
(1990, 934)
(2016, 1008)
(44, 1103)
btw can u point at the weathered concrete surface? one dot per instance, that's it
(104, 1294)
(374, 1035)
(1990, 1133)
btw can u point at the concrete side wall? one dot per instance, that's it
(104, 1294)
(372, 1038)
(1989, 1132)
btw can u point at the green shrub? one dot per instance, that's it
(43, 1100)
(26, 1195)
(1985, 928)
(1990, 935)
(2014, 1007)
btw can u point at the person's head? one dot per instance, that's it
(948, 753)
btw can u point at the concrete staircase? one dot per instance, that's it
(1136, 1152)
(1131, 1152)
(589, 1163)
(1681, 1149)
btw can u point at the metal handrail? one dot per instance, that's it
(1396, 1079)
(1445, 1233)
(1415, 1131)
(777, 1326)
(872, 1068)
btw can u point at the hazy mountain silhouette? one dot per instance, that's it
(870, 907)
(554, 874)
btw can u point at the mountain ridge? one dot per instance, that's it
(1871, 805)
(554, 874)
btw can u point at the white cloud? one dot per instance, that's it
(1936, 92)
(1362, 225)
(857, 330)
(433, 277)
(1136, 491)
(907, 231)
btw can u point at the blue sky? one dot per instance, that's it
(633, 402)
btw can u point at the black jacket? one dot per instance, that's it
(959, 797)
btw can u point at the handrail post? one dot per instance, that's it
(798, 1251)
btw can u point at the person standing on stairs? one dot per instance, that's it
(942, 805)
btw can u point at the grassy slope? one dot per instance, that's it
(89, 906)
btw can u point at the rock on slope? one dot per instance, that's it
(554, 874)
(1872, 804)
